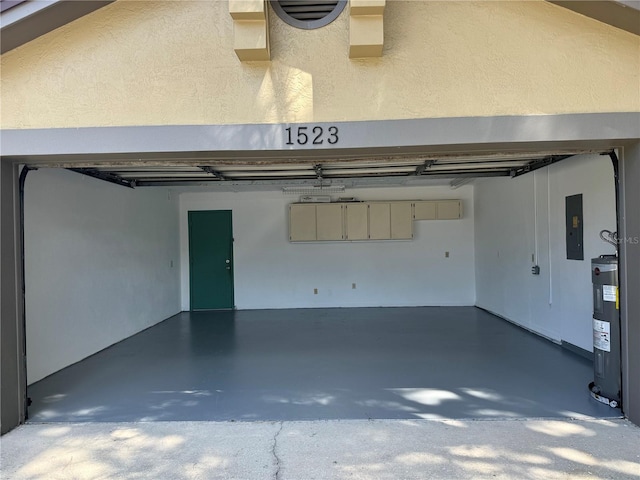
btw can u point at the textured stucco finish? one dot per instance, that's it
(160, 63)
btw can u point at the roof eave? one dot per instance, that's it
(27, 21)
(623, 14)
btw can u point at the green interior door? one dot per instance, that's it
(210, 260)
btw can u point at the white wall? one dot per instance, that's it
(513, 216)
(271, 272)
(98, 265)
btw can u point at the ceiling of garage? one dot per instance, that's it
(378, 171)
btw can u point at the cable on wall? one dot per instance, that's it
(535, 218)
(616, 178)
(549, 236)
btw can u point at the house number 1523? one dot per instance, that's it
(311, 135)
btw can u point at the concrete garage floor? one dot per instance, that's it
(311, 364)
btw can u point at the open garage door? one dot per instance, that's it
(322, 362)
(370, 170)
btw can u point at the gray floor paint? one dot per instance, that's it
(361, 363)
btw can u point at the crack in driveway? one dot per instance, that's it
(275, 454)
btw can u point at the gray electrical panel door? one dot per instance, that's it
(573, 207)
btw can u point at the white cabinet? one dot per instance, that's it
(309, 222)
(437, 210)
(401, 221)
(302, 222)
(356, 221)
(379, 221)
(449, 209)
(393, 220)
(390, 221)
(329, 222)
(424, 210)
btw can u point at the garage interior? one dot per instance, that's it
(451, 323)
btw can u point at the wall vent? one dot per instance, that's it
(308, 14)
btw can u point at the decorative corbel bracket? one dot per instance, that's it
(366, 32)
(250, 29)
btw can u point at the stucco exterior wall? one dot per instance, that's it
(172, 62)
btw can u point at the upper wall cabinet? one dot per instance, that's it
(356, 221)
(309, 222)
(425, 211)
(401, 221)
(302, 222)
(379, 221)
(393, 220)
(437, 210)
(329, 222)
(384, 221)
(449, 210)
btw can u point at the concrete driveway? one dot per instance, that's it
(326, 450)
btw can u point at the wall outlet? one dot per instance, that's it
(353, 286)
(315, 291)
(446, 254)
(535, 270)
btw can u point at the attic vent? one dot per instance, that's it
(308, 14)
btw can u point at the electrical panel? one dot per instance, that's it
(575, 229)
